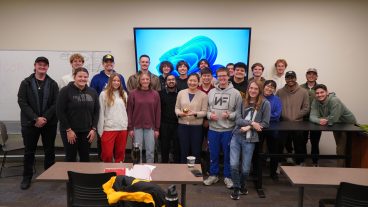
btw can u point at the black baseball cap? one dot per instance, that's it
(108, 57)
(42, 59)
(290, 74)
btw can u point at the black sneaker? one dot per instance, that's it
(243, 191)
(235, 195)
(25, 184)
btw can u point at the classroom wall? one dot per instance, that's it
(328, 35)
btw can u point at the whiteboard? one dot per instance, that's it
(15, 65)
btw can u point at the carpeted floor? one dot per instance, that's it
(280, 193)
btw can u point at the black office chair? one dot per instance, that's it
(8, 145)
(348, 195)
(85, 190)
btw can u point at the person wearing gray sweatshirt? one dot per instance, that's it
(223, 104)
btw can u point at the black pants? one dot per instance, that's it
(314, 137)
(190, 141)
(299, 142)
(168, 136)
(275, 145)
(81, 147)
(30, 136)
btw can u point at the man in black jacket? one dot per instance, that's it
(37, 101)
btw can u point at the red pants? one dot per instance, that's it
(113, 143)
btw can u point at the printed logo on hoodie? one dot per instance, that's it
(221, 101)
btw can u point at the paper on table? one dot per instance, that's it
(140, 171)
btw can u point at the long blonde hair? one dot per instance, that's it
(110, 91)
(259, 98)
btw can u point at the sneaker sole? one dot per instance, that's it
(210, 184)
(237, 198)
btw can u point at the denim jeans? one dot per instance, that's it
(240, 147)
(146, 137)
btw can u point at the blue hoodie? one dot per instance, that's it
(99, 81)
(276, 107)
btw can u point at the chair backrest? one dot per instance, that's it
(86, 189)
(4, 133)
(352, 195)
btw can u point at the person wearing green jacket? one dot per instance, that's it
(327, 109)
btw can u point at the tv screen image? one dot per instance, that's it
(219, 46)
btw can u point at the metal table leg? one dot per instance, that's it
(301, 195)
(183, 194)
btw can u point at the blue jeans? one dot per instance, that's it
(240, 147)
(216, 141)
(146, 137)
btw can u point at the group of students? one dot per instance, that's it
(187, 112)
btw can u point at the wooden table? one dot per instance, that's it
(323, 176)
(351, 129)
(162, 174)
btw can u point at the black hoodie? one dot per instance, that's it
(77, 109)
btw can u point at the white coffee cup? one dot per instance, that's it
(191, 161)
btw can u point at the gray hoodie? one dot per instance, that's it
(223, 100)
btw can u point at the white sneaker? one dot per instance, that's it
(290, 160)
(211, 180)
(228, 182)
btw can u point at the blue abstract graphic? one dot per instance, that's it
(218, 46)
(200, 47)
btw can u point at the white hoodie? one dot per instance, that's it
(112, 118)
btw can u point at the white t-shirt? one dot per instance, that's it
(64, 81)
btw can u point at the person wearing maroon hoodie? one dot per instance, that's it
(144, 115)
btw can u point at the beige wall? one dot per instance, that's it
(328, 35)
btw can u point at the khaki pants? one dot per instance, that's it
(340, 139)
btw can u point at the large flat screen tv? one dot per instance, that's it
(219, 46)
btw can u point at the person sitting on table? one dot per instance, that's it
(113, 121)
(77, 109)
(275, 143)
(327, 109)
(295, 105)
(253, 117)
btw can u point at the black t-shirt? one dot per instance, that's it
(242, 87)
(168, 101)
(181, 84)
(40, 86)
